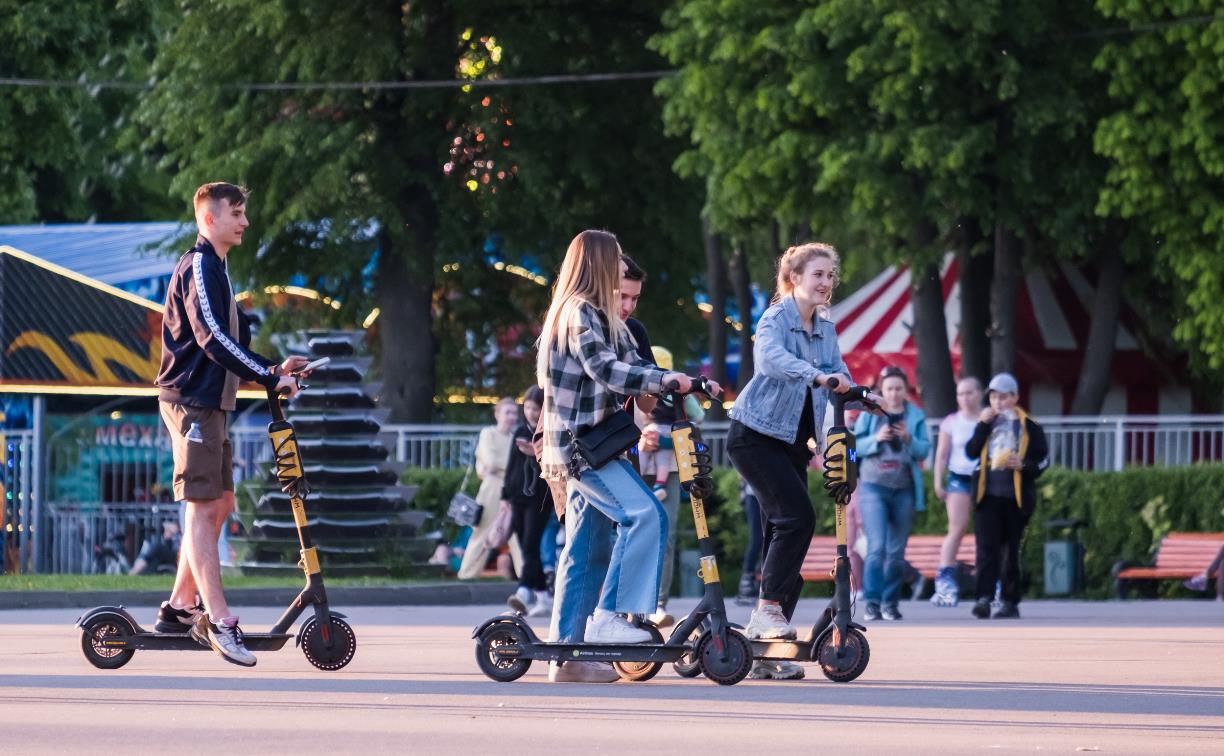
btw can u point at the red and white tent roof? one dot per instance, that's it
(874, 326)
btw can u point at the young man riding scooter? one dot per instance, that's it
(205, 354)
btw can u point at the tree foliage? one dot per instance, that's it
(1164, 140)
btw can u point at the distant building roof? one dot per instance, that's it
(135, 257)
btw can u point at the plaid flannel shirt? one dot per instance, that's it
(587, 382)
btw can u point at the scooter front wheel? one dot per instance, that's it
(631, 671)
(728, 666)
(688, 665)
(343, 644)
(95, 639)
(853, 661)
(503, 637)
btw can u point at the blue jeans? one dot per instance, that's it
(888, 514)
(601, 567)
(548, 543)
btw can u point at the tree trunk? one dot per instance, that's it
(1102, 336)
(934, 377)
(405, 301)
(742, 282)
(409, 236)
(974, 276)
(716, 278)
(1003, 301)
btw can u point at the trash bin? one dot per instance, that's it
(690, 582)
(1064, 558)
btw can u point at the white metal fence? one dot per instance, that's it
(71, 534)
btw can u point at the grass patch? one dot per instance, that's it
(74, 583)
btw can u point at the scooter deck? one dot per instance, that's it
(146, 641)
(606, 652)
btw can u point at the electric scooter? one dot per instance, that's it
(835, 642)
(506, 645)
(110, 636)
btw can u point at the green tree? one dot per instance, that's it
(891, 126)
(1164, 140)
(67, 151)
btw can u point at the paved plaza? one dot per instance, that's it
(1139, 677)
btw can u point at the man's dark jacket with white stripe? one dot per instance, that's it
(199, 343)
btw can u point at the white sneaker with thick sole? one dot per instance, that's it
(768, 622)
(766, 669)
(662, 619)
(613, 628)
(521, 600)
(543, 605)
(225, 638)
(581, 672)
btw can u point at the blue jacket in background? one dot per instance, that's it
(787, 358)
(868, 425)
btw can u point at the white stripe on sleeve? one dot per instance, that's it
(197, 272)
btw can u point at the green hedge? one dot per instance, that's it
(1127, 514)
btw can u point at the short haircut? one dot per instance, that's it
(633, 271)
(216, 191)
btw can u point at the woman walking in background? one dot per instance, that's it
(532, 508)
(954, 432)
(492, 454)
(890, 449)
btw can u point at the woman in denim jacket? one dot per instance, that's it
(774, 417)
(890, 451)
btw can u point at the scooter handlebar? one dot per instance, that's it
(860, 394)
(700, 385)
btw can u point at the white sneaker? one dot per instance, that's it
(543, 605)
(769, 622)
(607, 627)
(521, 600)
(581, 671)
(662, 619)
(765, 669)
(225, 638)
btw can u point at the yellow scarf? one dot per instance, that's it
(985, 463)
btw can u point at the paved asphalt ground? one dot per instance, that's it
(1137, 677)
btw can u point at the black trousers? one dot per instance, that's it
(528, 517)
(998, 526)
(777, 472)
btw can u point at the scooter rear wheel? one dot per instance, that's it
(502, 668)
(853, 661)
(344, 644)
(93, 642)
(728, 668)
(631, 671)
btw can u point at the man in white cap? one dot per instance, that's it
(1011, 452)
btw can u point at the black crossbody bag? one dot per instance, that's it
(607, 440)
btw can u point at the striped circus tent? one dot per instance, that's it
(1053, 307)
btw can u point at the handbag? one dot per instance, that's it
(463, 509)
(499, 532)
(608, 439)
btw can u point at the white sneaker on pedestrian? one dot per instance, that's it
(609, 627)
(543, 605)
(769, 622)
(662, 619)
(582, 672)
(521, 600)
(766, 669)
(225, 638)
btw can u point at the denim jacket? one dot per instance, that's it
(868, 424)
(787, 357)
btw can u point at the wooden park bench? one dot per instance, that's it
(1179, 556)
(922, 552)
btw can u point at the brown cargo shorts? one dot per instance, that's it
(203, 455)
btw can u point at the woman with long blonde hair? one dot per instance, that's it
(587, 364)
(774, 417)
